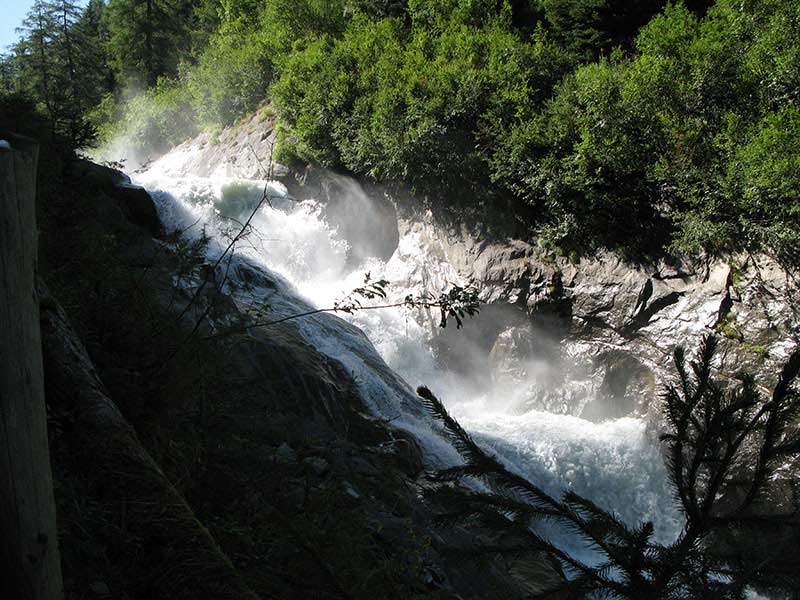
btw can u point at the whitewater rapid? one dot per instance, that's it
(615, 462)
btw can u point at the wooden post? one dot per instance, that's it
(31, 566)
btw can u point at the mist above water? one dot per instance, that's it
(501, 378)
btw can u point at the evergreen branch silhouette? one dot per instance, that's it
(713, 432)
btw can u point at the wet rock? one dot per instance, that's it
(100, 589)
(512, 355)
(285, 455)
(242, 151)
(432, 577)
(389, 527)
(101, 175)
(351, 491)
(408, 453)
(362, 467)
(317, 465)
(625, 387)
(615, 324)
(139, 207)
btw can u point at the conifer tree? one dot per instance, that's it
(97, 78)
(8, 73)
(35, 53)
(65, 14)
(146, 38)
(52, 69)
(725, 446)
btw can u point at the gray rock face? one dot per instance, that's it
(242, 151)
(617, 324)
(285, 454)
(99, 174)
(134, 200)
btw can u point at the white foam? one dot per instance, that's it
(614, 463)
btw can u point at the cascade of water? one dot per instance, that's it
(612, 462)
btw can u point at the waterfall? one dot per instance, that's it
(614, 462)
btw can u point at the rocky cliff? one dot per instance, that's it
(191, 465)
(606, 327)
(617, 323)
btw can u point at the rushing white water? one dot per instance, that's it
(613, 462)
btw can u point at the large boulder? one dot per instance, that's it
(101, 175)
(139, 207)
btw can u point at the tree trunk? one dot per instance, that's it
(148, 37)
(28, 533)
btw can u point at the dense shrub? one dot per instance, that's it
(231, 76)
(151, 122)
(595, 123)
(427, 107)
(675, 141)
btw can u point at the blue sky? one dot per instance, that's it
(13, 11)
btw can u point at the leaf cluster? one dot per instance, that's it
(371, 290)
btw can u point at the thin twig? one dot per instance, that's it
(331, 309)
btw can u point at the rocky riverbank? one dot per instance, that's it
(257, 440)
(607, 326)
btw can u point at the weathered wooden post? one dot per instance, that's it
(31, 567)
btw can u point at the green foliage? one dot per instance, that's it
(231, 75)
(105, 116)
(724, 445)
(762, 176)
(589, 28)
(146, 38)
(379, 9)
(95, 77)
(577, 24)
(683, 141)
(288, 22)
(638, 126)
(729, 328)
(154, 121)
(391, 105)
(56, 47)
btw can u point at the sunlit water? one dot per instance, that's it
(614, 462)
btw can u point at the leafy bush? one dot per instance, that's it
(632, 125)
(426, 108)
(231, 76)
(156, 119)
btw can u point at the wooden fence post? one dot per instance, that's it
(28, 535)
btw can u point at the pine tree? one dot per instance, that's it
(725, 445)
(8, 73)
(146, 38)
(35, 53)
(52, 69)
(97, 78)
(65, 14)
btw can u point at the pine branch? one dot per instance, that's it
(482, 465)
(711, 430)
